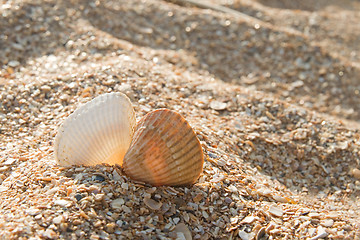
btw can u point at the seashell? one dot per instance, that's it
(164, 151)
(98, 132)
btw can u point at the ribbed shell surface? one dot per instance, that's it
(98, 132)
(164, 151)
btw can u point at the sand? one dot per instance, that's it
(271, 89)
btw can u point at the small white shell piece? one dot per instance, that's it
(100, 131)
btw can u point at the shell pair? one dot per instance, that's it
(161, 150)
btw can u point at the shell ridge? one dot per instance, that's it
(182, 151)
(186, 138)
(172, 171)
(162, 117)
(186, 135)
(185, 174)
(138, 137)
(90, 149)
(137, 173)
(162, 130)
(101, 132)
(115, 138)
(59, 143)
(73, 137)
(174, 133)
(194, 150)
(151, 123)
(107, 134)
(155, 166)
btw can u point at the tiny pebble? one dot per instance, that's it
(279, 198)
(248, 220)
(125, 186)
(245, 236)
(99, 197)
(276, 211)
(182, 230)
(116, 175)
(117, 203)
(33, 211)
(321, 233)
(78, 196)
(99, 178)
(327, 222)
(62, 203)
(228, 200)
(152, 204)
(45, 88)
(216, 105)
(13, 63)
(58, 219)
(355, 173)
(50, 234)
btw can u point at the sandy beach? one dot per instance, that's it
(271, 89)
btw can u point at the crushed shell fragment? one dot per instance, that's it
(98, 132)
(164, 151)
(154, 205)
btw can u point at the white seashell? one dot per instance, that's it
(98, 132)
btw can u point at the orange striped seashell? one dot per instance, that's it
(164, 151)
